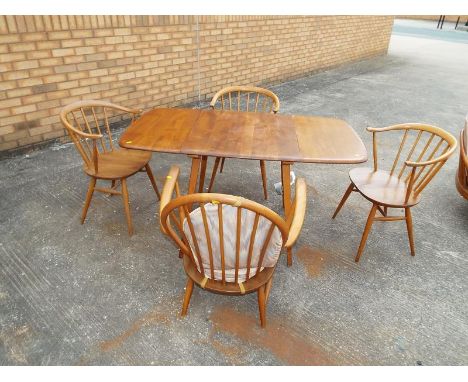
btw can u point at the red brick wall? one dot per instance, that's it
(47, 62)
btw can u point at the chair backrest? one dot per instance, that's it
(465, 138)
(246, 98)
(87, 123)
(422, 152)
(463, 163)
(228, 238)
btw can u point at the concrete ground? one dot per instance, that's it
(90, 295)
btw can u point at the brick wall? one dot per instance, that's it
(149, 61)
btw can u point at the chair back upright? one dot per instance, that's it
(227, 237)
(422, 152)
(88, 124)
(246, 98)
(462, 174)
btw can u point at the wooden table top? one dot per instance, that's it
(273, 137)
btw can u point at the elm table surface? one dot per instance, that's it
(274, 137)
(231, 134)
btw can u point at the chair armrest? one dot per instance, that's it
(298, 212)
(168, 190)
(463, 146)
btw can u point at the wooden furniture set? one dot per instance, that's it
(229, 244)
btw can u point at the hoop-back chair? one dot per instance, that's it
(230, 245)
(461, 179)
(87, 123)
(247, 99)
(422, 152)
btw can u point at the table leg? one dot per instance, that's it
(201, 185)
(194, 174)
(282, 199)
(286, 179)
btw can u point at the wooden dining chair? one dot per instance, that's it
(230, 245)
(461, 179)
(247, 99)
(87, 123)
(422, 152)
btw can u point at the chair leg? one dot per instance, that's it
(264, 179)
(382, 211)
(127, 206)
(113, 187)
(187, 296)
(409, 227)
(289, 251)
(152, 180)
(201, 184)
(222, 166)
(343, 199)
(370, 220)
(267, 289)
(89, 195)
(213, 173)
(261, 305)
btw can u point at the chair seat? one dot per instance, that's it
(119, 163)
(229, 288)
(381, 187)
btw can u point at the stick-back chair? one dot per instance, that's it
(461, 179)
(88, 124)
(230, 245)
(422, 152)
(246, 99)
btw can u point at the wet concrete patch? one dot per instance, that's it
(154, 317)
(15, 341)
(312, 259)
(161, 314)
(285, 343)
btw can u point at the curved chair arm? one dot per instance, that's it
(463, 146)
(452, 145)
(297, 213)
(170, 185)
(449, 138)
(98, 103)
(92, 103)
(442, 158)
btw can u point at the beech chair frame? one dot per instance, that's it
(173, 212)
(87, 123)
(410, 175)
(247, 99)
(461, 179)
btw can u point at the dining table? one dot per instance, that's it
(203, 133)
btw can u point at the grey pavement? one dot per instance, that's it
(428, 29)
(90, 295)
